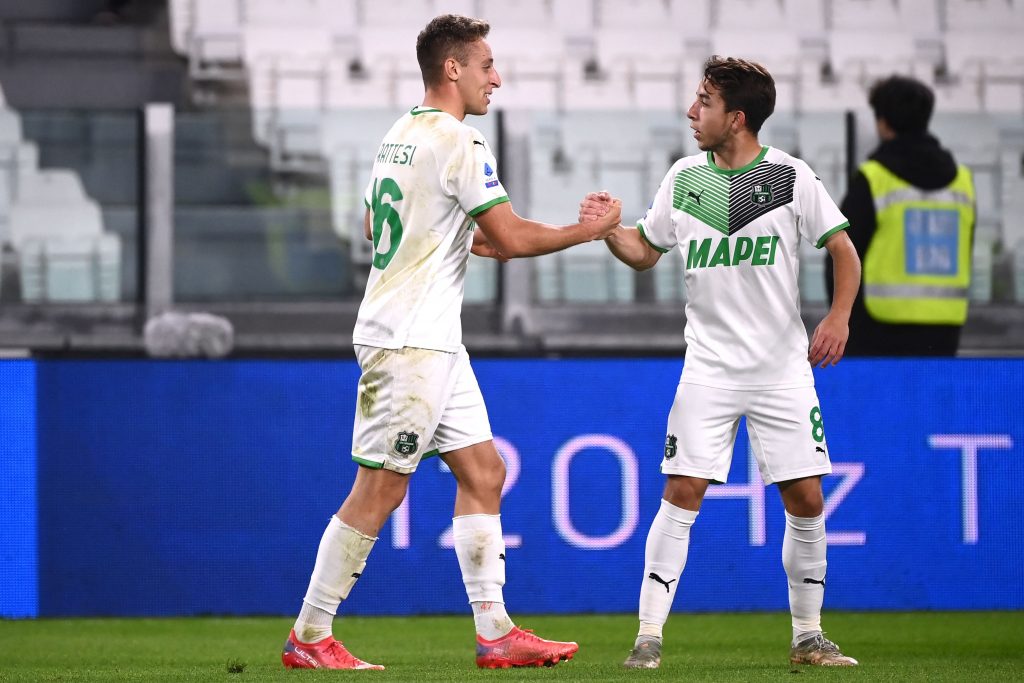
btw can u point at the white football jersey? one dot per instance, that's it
(740, 231)
(432, 174)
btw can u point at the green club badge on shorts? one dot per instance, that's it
(407, 443)
(670, 446)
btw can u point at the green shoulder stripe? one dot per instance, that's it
(824, 238)
(483, 207)
(640, 227)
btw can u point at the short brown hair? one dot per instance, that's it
(446, 36)
(744, 86)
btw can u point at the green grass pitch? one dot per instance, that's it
(927, 646)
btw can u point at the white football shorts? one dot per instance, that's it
(414, 403)
(784, 426)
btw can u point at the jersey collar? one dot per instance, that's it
(741, 169)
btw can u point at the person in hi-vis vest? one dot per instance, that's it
(911, 209)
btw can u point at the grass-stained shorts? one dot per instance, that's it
(414, 403)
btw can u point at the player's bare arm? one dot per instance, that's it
(366, 226)
(516, 237)
(626, 243)
(483, 247)
(829, 340)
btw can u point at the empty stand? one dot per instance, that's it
(57, 232)
(1001, 15)
(321, 72)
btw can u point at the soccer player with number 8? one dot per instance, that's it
(738, 211)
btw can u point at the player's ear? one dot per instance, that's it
(740, 122)
(452, 69)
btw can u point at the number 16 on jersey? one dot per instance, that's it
(384, 193)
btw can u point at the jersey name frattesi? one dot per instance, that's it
(728, 203)
(391, 153)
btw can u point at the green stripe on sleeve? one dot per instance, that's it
(824, 238)
(483, 207)
(640, 227)
(372, 464)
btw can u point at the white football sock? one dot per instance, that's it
(480, 547)
(668, 542)
(803, 556)
(340, 561)
(491, 619)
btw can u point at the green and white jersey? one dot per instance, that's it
(432, 174)
(740, 231)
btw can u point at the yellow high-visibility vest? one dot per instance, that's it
(918, 266)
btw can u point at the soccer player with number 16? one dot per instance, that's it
(433, 197)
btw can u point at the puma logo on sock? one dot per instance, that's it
(662, 581)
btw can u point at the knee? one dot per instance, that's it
(685, 492)
(810, 504)
(490, 481)
(380, 490)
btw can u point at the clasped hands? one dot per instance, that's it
(601, 206)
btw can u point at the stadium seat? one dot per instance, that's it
(299, 13)
(983, 14)
(534, 45)
(214, 40)
(573, 17)
(660, 44)
(287, 98)
(778, 51)
(866, 55)
(349, 88)
(994, 53)
(409, 13)
(530, 85)
(921, 17)
(17, 158)
(760, 15)
(283, 42)
(180, 14)
(958, 94)
(63, 253)
(1003, 95)
(515, 14)
(806, 18)
(608, 89)
(880, 15)
(640, 14)
(663, 85)
(816, 94)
